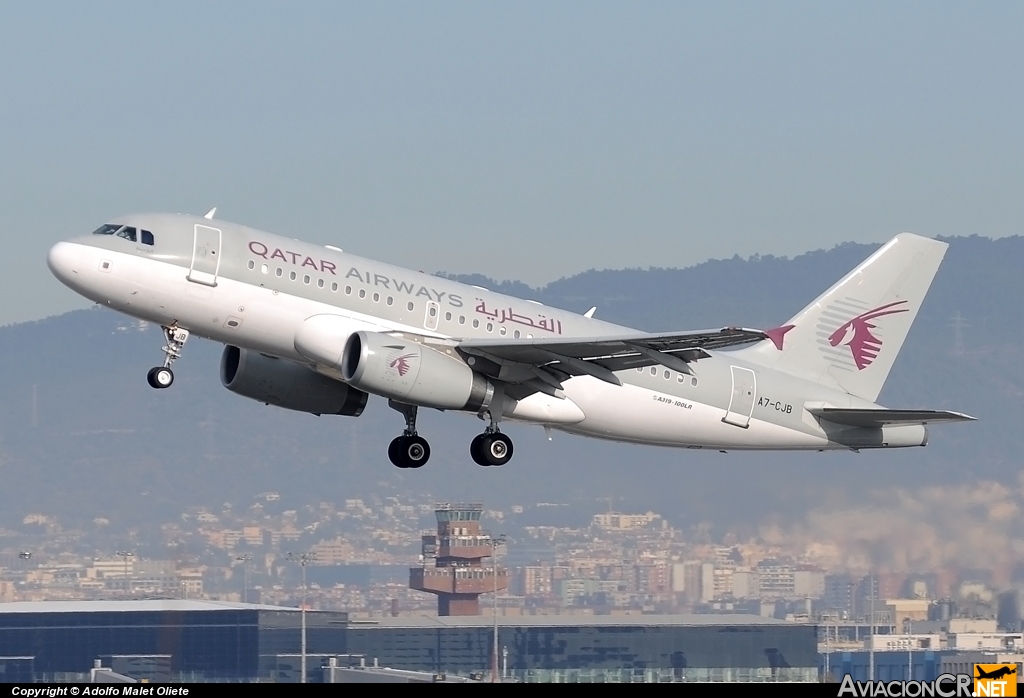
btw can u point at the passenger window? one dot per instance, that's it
(462, 319)
(693, 381)
(516, 334)
(448, 317)
(348, 290)
(490, 326)
(476, 323)
(292, 276)
(145, 237)
(639, 369)
(320, 283)
(682, 378)
(502, 330)
(305, 279)
(391, 301)
(264, 268)
(667, 375)
(334, 286)
(362, 293)
(410, 305)
(252, 264)
(654, 370)
(376, 297)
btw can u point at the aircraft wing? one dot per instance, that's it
(544, 363)
(871, 417)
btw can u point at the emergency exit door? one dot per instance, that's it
(205, 256)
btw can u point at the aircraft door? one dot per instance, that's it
(205, 256)
(432, 316)
(741, 404)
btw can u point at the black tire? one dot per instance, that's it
(415, 451)
(476, 451)
(395, 452)
(496, 449)
(160, 377)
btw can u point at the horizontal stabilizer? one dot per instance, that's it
(871, 417)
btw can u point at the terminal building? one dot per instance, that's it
(593, 649)
(182, 640)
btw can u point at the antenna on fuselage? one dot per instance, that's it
(209, 214)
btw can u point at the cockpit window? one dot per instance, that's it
(145, 237)
(121, 231)
(127, 233)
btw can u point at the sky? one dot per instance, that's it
(520, 140)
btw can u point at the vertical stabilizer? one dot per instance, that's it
(849, 336)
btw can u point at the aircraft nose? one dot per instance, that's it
(63, 259)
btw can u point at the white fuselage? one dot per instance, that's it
(256, 305)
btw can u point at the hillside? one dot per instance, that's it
(82, 435)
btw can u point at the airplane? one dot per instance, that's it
(996, 674)
(315, 329)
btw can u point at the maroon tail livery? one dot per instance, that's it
(863, 344)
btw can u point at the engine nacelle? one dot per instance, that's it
(287, 384)
(413, 373)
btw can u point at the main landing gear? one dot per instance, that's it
(492, 447)
(410, 450)
(161, 377)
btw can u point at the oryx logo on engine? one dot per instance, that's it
(400, 364)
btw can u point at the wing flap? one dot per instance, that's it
(612, 351)
(880, 417)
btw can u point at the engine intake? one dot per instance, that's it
(287, 384)
(413, 373)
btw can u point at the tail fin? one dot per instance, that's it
(849, 336)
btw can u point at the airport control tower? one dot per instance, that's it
(453, 562)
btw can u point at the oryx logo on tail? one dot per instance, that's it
(863, 344)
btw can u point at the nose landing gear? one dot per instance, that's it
(162, 376)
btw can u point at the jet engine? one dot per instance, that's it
(287, 384)
(413, 373)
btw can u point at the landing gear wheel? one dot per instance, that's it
(476, 450)
(495, 449)
(395, 452)
(160, 377)
(416, 451)
(409, 451)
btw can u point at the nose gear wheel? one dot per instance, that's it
(162, 376)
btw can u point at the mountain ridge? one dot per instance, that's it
(82, 436)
